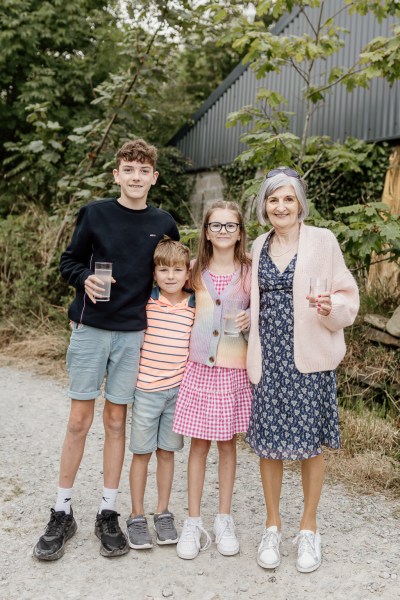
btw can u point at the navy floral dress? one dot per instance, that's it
(293, 414)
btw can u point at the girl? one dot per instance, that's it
(215, 395)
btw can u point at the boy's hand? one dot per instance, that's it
(243, 320)
(93, 286)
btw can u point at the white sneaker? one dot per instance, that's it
(268, 555)
(309, 550)
(189, 545)
(225, 537)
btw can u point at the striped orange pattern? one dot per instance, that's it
(166, 344)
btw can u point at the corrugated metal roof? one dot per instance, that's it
(370, 114)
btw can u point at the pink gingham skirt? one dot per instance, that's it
(213, 403)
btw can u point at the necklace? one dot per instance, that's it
(283, 253)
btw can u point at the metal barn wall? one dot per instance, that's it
(372, 114)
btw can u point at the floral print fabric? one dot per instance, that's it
(293, 414)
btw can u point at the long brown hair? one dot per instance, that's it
(205, 250)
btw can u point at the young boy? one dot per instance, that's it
(170, 316)
(106, 336)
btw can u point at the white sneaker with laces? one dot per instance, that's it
(225, 537)
(268, 555)
(189, 544)
(309, 550)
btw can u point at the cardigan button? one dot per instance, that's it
(211, 359)
(218, 302)
(215, 333)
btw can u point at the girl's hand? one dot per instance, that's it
(93, 286)
(243, 320)
(324, 304)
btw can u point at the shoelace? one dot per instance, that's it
(141, 526)
(228, 528)
(165, 521)
(55, 524)
(110, 523)
(270, 540)
(189, 532)
(306, 543)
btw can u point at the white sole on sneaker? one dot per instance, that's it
(267, 565)
(142, 547)
(186, 556)
(309, 569)
(167, 542)
(228, 552)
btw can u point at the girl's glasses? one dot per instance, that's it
(288, 172)
(216, 227)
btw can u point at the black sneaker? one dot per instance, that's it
(113, 540)
(59, 529)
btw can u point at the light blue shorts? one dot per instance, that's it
(152, 419)
(95, 353)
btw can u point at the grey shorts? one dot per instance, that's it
(152, 419)
(95, 353)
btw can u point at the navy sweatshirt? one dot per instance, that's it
(109, 232)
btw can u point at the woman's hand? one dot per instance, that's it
(94, 286)
(324, 304)
(243, 320)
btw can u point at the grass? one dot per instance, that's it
(369, 375)
(369, 458)
(10, 489)
(39, 350)
(368, 389)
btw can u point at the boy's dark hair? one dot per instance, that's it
(137, 150)
(170, 252)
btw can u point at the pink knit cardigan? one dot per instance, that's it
(318, 341)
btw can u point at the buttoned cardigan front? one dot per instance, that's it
(319, 343)
(208, 344)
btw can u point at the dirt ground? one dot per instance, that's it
(360, 534)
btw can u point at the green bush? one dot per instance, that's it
(29, 294)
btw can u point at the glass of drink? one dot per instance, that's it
(103, 270)
(317, 286)
(232, 309)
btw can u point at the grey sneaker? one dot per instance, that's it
(138, 533)
(165, 528)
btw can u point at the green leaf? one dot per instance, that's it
(35, 146)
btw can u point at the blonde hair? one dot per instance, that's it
(169, 253)
(205, 249)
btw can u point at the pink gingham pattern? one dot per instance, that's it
(221, 281)
(213, 403)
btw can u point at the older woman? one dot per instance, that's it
(292, 355)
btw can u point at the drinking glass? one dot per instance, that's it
(233, 308)
(317, 286)
(103, 270)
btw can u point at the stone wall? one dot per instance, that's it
(208, 187)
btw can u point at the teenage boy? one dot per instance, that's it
(170, 316)
(106, 336)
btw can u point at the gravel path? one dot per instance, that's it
(361, 538)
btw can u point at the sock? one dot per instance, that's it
(63, 501)
(108, 500)
(198, 520)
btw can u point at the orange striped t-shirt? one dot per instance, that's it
(165, 348)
